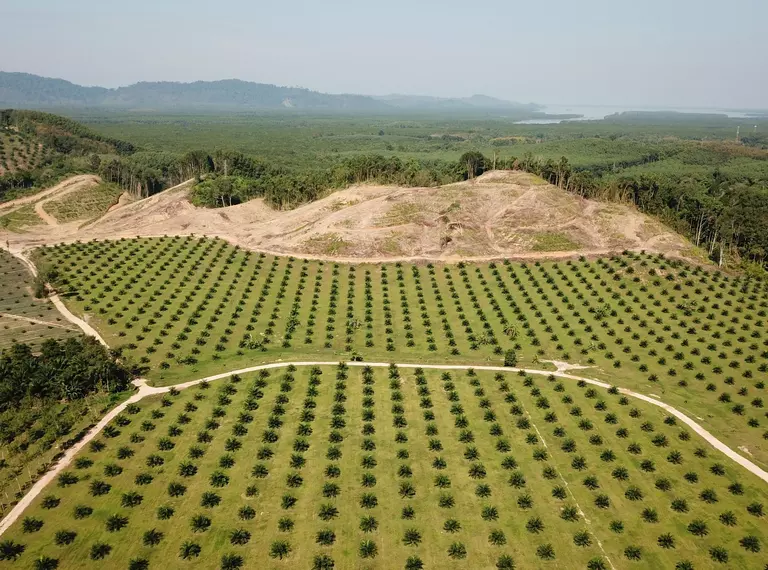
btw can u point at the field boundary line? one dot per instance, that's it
(36, 321)
(568, 487)
(145, 390)
(59, 304)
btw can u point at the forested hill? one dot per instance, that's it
(36, 149)
(32, 91)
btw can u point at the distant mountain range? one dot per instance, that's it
(446, 103)
(24, 90)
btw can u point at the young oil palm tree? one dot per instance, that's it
(189, 550)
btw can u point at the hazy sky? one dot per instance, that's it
(688, 53)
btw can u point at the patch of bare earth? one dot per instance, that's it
(501, 214)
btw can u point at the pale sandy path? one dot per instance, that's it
(70, 184)
(145, 390)
(40, 205)
(38, 487)
(43, 215)
(77, 321)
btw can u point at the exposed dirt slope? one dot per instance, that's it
(501, 214)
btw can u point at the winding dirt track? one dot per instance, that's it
(59, 304)
(65, 187)
(144, 390)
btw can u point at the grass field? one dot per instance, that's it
(18, 304)
(20, 218)
(188, 307)
(85, 204)
(361, 468)
(32, 439)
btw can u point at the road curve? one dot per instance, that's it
(12, 205)
(58, 303)
(144, 390)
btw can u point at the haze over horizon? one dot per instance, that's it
(687, 54)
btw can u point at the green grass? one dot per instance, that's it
(20, 219)
(553, 241)
(84, 204)
(34, 437)
(543, 448)
(186, 308)
(16, 299)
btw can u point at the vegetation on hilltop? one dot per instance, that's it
(42, 92)
(723, 212)
(685, 169)
(40, 148)
(714, 191)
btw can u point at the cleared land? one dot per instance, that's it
(384, 469)
(501, 214)
(190, 307)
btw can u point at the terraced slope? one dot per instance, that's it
(20, 152)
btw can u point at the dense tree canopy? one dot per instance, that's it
(69, 369)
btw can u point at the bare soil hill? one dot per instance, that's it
(500, 214)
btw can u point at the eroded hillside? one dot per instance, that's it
(501, 214)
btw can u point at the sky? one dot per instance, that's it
(673, 53)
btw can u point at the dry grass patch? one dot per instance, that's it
(19, 220)
(84, 204)
(400, 214)
(553, 241)
(328, 244)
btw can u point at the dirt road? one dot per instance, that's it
(144, 391)
(58, 303)
(68, 185)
